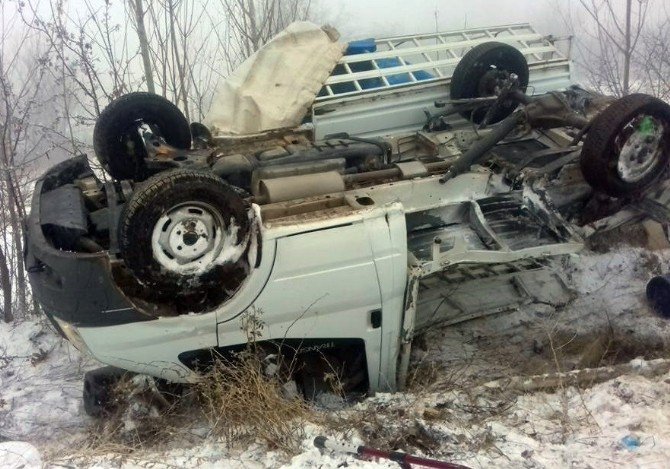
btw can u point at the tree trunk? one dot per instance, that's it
(144, 43)
(22, 288)
(253, 28)
(180, 70)
(15, 206)
(5, 281)
(629, 52)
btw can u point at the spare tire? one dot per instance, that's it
(184, 232)
(477, 73)
(116, 141)
(627, 146)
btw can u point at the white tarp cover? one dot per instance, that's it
(275, 87)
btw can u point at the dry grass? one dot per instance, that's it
(609, 345)
(419, 422)
(424, 373)
(242, 403)
(235, 401)
(388, 426)
(143, 418)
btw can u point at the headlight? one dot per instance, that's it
(72, 335)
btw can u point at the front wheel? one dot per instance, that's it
(628, 146)
(116, 138)
(185, 232)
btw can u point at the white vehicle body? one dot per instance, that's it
(369, 267)
(322, 278)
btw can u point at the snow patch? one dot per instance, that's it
(18, 454)
(621, 422)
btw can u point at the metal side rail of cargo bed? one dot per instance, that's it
(480, 257)
(387, 87)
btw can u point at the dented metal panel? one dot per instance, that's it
(443, 299)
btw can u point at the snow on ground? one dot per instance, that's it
(447, 414)
(19, 454)
(40, 384)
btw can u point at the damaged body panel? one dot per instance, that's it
(73, 286)
(343, 247)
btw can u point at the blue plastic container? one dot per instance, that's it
(365, 46)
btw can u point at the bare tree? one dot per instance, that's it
(181, 49)
(656, 59)
(252, 23)
(27, 118)
(609, 48)
(621, 45)
(6, 283)
(139, 14)
(93, 58)
(182, 54)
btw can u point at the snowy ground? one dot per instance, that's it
(449, 413)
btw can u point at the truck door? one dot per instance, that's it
(325, 285)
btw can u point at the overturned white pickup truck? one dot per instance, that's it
(433, 179)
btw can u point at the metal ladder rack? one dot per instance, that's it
(405, 60)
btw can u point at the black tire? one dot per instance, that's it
(154, 199)
(98, 393)
(117, 124)
(469, 73)
(600, 153)
(658, 295)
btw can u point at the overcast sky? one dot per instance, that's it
(356, 19)
(365, 18)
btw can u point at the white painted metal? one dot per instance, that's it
(321, 276)
(345, 105)
(434, 54)
(330, 293)
(153, 347)
(446, 301)
(302, 290)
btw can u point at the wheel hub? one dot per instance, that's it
(188, 236)
(641, 148)
(494, 81)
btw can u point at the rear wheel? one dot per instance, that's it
(484, 71)
(628, 146)
(184, 231)
(116, 140)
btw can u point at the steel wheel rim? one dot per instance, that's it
(640, 146)
(188, 237)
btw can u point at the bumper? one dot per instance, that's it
(75, 287)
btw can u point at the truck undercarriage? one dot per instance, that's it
(347, 245)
